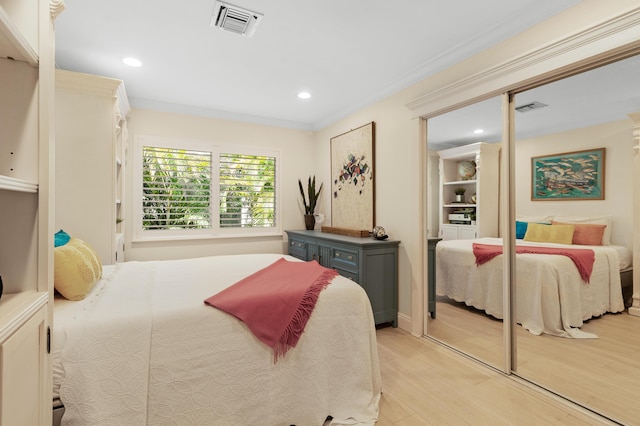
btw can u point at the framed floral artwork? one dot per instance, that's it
(352, 179)
(577, 175)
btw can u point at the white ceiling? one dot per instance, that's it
(346, 53)
(598, 96)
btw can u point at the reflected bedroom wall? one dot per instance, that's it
(616, 138)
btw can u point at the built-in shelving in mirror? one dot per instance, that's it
(452, 144)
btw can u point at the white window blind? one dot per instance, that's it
(195, 189)
(176, 188)
(247, 191)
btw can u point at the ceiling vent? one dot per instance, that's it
(235, 19)
(530, 107)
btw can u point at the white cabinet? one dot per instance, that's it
(91, 134)
(25, 395)
(26, 208)
(457, 232)
(475, 213)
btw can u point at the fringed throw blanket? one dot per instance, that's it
(276, 302)
(582, 258)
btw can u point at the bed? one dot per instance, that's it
(143, 348)
(551, 296)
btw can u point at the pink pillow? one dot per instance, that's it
(586, 234)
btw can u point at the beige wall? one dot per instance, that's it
(398, 158)
(295, 148)
(396, 177)
(398, 154)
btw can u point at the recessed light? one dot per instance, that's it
(132, 62)
(304, 95)
(478, 131)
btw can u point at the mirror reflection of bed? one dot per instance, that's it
(599, 373)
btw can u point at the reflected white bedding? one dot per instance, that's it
(550, 295)
(144, 349)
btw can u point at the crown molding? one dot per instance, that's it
(599, 43)
(55, 8)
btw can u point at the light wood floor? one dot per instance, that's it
(602, 373)
(425, 383)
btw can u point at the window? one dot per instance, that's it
(247, 191)
(200, 190)
(176, 189)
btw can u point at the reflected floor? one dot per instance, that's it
(600, 373)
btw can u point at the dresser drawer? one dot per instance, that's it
(344, 259)
(298, 248)
(353, 276)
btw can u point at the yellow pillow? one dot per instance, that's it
(561, 234)
(77, 268)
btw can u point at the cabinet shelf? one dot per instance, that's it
(13, 44)
(19, 185)
(459, 205)
(482, 192)
(16, 308)
(460, 182)
(27, 63)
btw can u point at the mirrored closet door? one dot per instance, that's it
(463, 203)
(573, 186)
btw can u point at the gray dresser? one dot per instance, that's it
(371, 263)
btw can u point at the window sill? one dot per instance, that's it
(235, 236)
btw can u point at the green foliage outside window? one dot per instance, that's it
(247, 191)
(177, 190)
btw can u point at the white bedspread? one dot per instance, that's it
(550, 295)
(143, 349)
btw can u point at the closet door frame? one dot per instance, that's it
(615, 39)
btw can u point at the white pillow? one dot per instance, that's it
(536, 219)
(600, 220)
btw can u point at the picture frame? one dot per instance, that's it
(577, 175)
(353, 179)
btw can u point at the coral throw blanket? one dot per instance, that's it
(276, 302)
(582, 258)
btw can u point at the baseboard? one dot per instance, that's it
(404, 322)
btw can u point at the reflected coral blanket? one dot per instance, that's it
(277, 301)
(582, 258)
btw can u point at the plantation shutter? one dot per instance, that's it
(247, 191)
(176, 189)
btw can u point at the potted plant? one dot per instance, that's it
(310, 206)
(472, 216)
(459, 194)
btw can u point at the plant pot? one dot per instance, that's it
(459, 198)
(309, 221)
